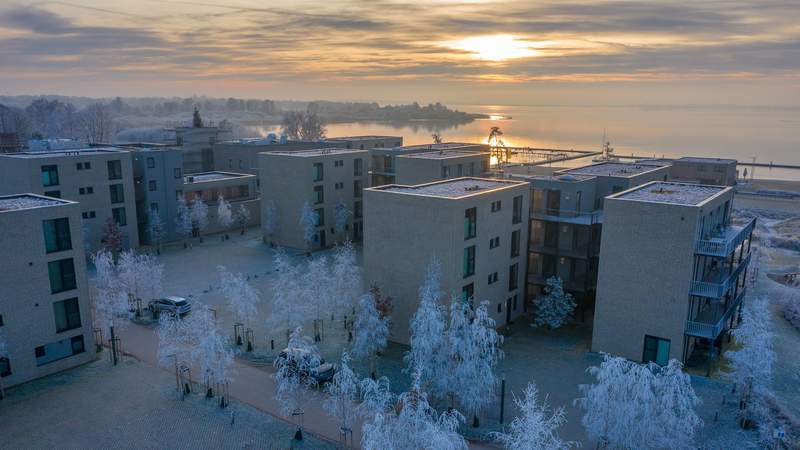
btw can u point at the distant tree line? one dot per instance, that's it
(44, 118)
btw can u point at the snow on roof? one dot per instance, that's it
(71, 152)
(675, 193)
(566, 177)
(361, 138)
(613, 169)
(27, 201)
(442, 146)
(213, 176)
(452, 188)
(444, 154)
(317, 152)
(706, 160)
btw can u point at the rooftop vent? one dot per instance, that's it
(472, 188)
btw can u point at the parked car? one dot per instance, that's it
(176, 306)
(321, 373)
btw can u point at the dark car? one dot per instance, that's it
(176, 306)
(321, 373)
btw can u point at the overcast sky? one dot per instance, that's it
(454, 51)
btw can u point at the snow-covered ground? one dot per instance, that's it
(132, 405)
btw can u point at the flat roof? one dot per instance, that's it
(453, 188)
(566, 177)
(613, 169)
(361, 138)
(316, 152)
(444, 154)
(706, 160)
(70, 152)
(213, 176)
(670, 192)
(442, 146)
(28, 201)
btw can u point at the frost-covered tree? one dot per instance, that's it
(342, 395)
(308, 221)
(141, 277)
(224, 213)
(199, 215)
(555, 307)
(535, 428)
(155, 230)
(242, 218)
(427, 357)
(183, 219)
(640, 406)
(473, 354)
(340, 217)
(210, 355)
(346, 278)
(316, 287)
(112, 237)
(110, 300)
(371, 331)
(301, 356)
(271, 220)
(753, 362)
(241, 296)
(289, 309)
(383, 303)
(415, 426)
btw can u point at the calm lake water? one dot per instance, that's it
(768, 134)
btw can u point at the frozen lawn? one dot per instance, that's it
(132, 405)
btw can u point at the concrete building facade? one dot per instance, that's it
(382, 161)
(326, 179)
(420, 168)
(45, 318)
(364, 142)
(672, 274)
(100, 179)
(238, 189)
(241, 155)
(716, 171)
(197, 144)
(475, 227)
(158, 182)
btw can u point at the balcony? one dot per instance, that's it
(710, 322)
(725, 241)
(717, 289)
(574, 217)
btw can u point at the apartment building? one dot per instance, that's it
(475, 227)
(326, 179)
(44, 295)
(196, 144)
(672, 274)
(566, 219)
(419, 168)
(365, 142)
(241, 155)
(382, 161)
(693, 169)
(238, 189)
(100, 179)
(158, 181)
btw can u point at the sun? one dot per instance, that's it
(497, 47)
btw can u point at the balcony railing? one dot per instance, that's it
(726, 240)
(712, 289)
(576, 217)
(711, 324)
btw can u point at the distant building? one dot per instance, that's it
(10, 143)
(323, 178)
(383, 167)
(672, 272)
(46, 145)
(197, 144)
(419, 168)
(566, 220)
(44, 294)
(476, 227)
(100, 179)
(364, 142)
(716, 171)
(241, 155)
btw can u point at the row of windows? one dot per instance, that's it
(458, 170)
(88, 214)
(50, 172)
(319, 171)
(320, 212)
(469, 268)
(471, 217)
(319, 191)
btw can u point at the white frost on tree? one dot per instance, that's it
(342, 395)
(155, 229)
(242, 218)
(301, 356)
(315, 286)
(753, 363)
(427, 357)
(111, 308)
(289, 310)
(271, 220)
(308, 221)
(534, 428)
(340, 217)
(241, 296)
(141, 277)
(210, 355)
(183, 219)
(555, 307)
(224, 213)
(473, 354)
(640, 406)
(347, 282)
(371, 331)
(199, 215)
(416, 426)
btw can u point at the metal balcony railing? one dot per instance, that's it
(710, 325)
(575, 217)
(726, 240)
(712, 289)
